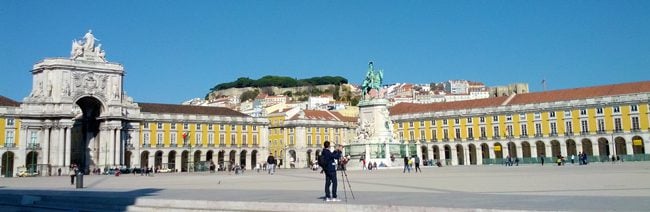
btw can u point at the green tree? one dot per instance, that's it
(249, 95)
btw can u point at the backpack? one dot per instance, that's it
(321, 161)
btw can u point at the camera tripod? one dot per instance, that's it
(344, 175)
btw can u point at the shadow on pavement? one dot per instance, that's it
(76, 200)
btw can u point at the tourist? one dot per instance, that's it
(369, 166)
(271, 164)
(517, 161)
(406, 165)
(374, 165)
(542, 159)
(73, 173)
(417, 164)
(573, 157)
(59, 171)
(330, 170)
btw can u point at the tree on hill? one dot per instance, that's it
(280, 81)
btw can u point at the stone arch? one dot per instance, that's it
(540, 146)
(472, 154)
(254, 158)
(460, 154)
(436, 152)
(556, 148)
(144, 159)
(209, 155)
(242, 158)
(309, 160)
(525, 150)
(185, 155)
(171, 160)
(221, 160)
(158, 159)
(197, 157)
(425, 152)
(8, 164)
(31, 162)
(447, 154)
(498, 153)
(317, 153)
(571, 148)
(232, 158)
(603, 149)
(621, 148)
(638, 145)
(586, 147)
(485, 151)
(85, 132)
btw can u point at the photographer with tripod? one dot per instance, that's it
(327, 163)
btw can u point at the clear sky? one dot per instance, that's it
(175, 50)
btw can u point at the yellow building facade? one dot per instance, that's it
(599, 121)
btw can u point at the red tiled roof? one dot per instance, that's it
(408, 108)
(345, 118)
(581, 93)
(526, 98)
(316, 115)
(188, 109)
(4, 101)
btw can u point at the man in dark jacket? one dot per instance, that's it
(270, 161)
(330, 170)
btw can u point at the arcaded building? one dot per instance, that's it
(598, 121)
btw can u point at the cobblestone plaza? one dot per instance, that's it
(597, 186)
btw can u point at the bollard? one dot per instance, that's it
(80, 180)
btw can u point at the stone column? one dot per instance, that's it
(629, 146)
(45, 150)
(119, 143)
(454, 155)
(563, 150)
(68, 146)
(418, 151)
(520, 153)
(549, 150)
(533, 152)
(251, 166)
(646, 146)
(152, 160)
(61, 145)
(430, 153)
(178, 163)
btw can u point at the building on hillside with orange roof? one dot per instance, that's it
(599, 121)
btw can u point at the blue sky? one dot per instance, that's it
(176, 50)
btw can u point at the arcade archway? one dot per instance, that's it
(84, 135)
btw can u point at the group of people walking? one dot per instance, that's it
(410, 162)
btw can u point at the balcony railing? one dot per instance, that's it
(445, 139)
(35, 146)
(553, 134)
(10, 145)
(568, 133)
(483, 138)
(600, 132)
(524, 136)
(210, 145)
(584, 133)
(146, 145)
(457, 139)
(470, 138)
(538, 135)
(636, 129)
(159, 145)
(496, 137)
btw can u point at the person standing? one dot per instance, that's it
(73, 173)
(573, 157)
(542, 157)
(271, 164)
(406, 165)
(417, 164)
(330, 170)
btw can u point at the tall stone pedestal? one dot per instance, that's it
(375, 136)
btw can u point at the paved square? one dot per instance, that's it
(599, 186)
